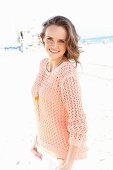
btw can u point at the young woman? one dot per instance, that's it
(56, 93)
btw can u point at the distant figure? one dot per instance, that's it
(62, 126)
(21, 34)
(21, 41)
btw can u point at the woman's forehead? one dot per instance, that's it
(56, 31)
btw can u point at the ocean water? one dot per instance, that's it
(82, 41)
(100, 39)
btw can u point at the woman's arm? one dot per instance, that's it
(38, 81)
(35, 150)
(72, 153)
(35, 92)
(68, 163)
(77, 125)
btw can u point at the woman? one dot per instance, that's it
(61, 120)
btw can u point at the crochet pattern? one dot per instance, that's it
(61, 119)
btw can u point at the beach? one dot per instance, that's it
(17, 115)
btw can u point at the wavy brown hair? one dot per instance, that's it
(73, 50)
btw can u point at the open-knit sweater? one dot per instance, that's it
(60, 116)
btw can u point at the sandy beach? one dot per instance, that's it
(17, 117)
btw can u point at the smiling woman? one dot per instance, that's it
(61, 120)
(68, 37)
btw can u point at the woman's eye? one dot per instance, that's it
(50, 39)
(62, 41)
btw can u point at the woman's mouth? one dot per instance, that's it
(53, 51)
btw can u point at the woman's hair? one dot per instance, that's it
(72, 51)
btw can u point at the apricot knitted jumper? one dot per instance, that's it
(60, 116)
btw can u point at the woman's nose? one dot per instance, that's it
(55, 44)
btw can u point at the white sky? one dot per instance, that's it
(91, 18)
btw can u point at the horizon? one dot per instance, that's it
(91, 18)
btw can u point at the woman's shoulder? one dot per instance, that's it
(68, 67)
(69, 72)
(43, 62)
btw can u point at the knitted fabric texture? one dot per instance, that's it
(60, 117)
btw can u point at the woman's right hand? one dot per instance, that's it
(35, 150)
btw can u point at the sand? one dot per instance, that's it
(17, 118)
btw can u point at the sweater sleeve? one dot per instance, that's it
(71, 95)
(38, 80)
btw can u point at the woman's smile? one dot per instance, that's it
(53, 51)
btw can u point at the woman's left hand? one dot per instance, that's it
(64, 167)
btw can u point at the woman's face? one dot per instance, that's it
(55, 41)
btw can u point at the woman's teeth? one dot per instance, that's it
(53, 51)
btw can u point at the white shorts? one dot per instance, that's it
(50, 163)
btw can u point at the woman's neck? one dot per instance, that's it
(55, 63)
